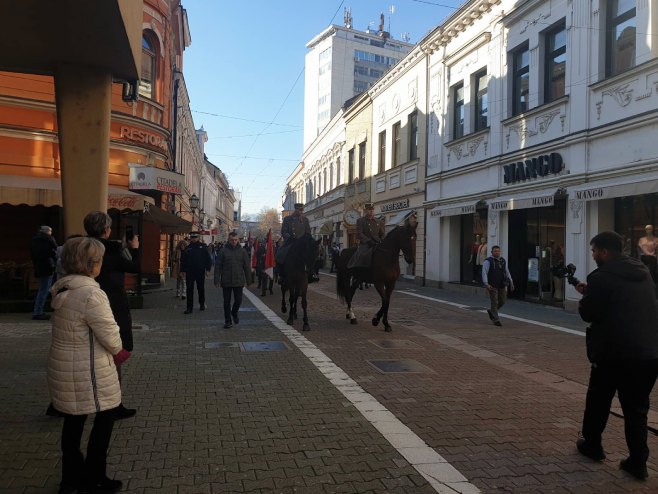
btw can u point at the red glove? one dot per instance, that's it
(121, 357)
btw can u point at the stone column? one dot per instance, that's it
(84, 97)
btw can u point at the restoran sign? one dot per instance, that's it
(151, 178)
(394, 206)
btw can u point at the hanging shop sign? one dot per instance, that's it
(540, 166)
(394, 206)
(151, 178)
(142, 137)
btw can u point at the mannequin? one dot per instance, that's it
(646, 249)
(473, 260)
(482, 255)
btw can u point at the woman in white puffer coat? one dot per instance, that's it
(82, 377)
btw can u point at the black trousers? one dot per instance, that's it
(200, 280)
(633, 382)
(75, 469)
(236, 291)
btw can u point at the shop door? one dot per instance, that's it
(536, 246)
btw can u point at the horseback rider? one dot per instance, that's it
(293, 227)
(370, 232)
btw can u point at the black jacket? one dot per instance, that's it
(196, 259)
(620, 303)
(44, 254)
(232, 267)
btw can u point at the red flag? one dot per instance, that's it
(269, 256)
(254, 254)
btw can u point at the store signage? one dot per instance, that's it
(151, 178)
(454, 211)
(525, 203)
(589, 194)
(540, 166)
(142, 137)
(394, 206)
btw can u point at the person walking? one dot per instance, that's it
(119, 258)
(82, 377)
(44, 259)
(497, 279)
(196, 263)
(232, 273)
(181, 285)
(335, 253)
(619, 302)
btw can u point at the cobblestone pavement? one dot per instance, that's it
(484, 408)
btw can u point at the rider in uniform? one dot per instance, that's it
(370, 233)
(293, 227)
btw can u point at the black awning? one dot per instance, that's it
(168, 223)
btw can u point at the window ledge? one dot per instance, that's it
(467, 137)
(534, 111)
(612, 80)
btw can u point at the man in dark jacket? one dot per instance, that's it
(44, 259)
(232, 272)
(370, 233)
(196, 262)
(119, 258)
(619, 302)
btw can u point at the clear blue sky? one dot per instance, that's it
(244, 75)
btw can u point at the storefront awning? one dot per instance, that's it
(608, 189)
(526, 200)
(33, 191)
(168, 223)
(454, 209)
(400, 217)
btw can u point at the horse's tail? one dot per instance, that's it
(342, 274)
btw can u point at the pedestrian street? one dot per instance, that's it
(446, 402)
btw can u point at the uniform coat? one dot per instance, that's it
(292, 227)
(82, 377)
(370, 232)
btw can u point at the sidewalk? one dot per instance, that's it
(444, 403)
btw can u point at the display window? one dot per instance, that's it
(473, 245)
(635, 219)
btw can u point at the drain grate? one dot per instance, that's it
(396, 344)
(405, 366)
(263, 346)
(221, 344)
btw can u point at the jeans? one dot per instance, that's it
(633, 381)
(75, 469)
(498, 297)
(45, 283)
(237, 300)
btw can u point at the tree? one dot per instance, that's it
(268, 218)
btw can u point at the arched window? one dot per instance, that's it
(149, 66)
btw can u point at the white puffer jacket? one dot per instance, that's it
(82, 377)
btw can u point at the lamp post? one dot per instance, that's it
(194, 205)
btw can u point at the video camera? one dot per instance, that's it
(562, 271)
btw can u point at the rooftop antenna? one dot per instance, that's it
(347, 17)
(405, 37)
(391, 10)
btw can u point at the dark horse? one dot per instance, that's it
(384, 272)
(299, 262)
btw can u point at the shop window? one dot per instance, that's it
(473, 245)
(481, 107)
(620, 36)
(381, 166)
(555, 63)
(149, 66)
(362, 160)
(397, 138)
(458, 111)
(520, 79)
(636, 220)
(413, 136)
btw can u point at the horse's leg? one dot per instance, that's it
(305, 327)
(292, 302)
(283, 298)
(386, 305)
(350, 295)
(380, 289)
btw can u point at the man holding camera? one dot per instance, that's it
(619, 302)
(496, 278)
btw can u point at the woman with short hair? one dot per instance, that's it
(82, 376)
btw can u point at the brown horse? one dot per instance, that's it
(384, 272)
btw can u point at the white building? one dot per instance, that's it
(342, 62)
(542, 122)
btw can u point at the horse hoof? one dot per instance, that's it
(306, 327)
(388, 329)
(347, 316)
(284, 310)
(353, 321)
(375, 321)
(289, 322)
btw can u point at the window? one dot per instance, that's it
(458, 111)
(481, 117)
(350, 166)
(620, 36)
(521, 79)
(331, 176)
(324, 181)
(149, 67)
(413, 136)
(556, 63)
(360, 86)
(362, 160)
(397, 145)
(376, 73)
(360, 70)
(382, 152)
